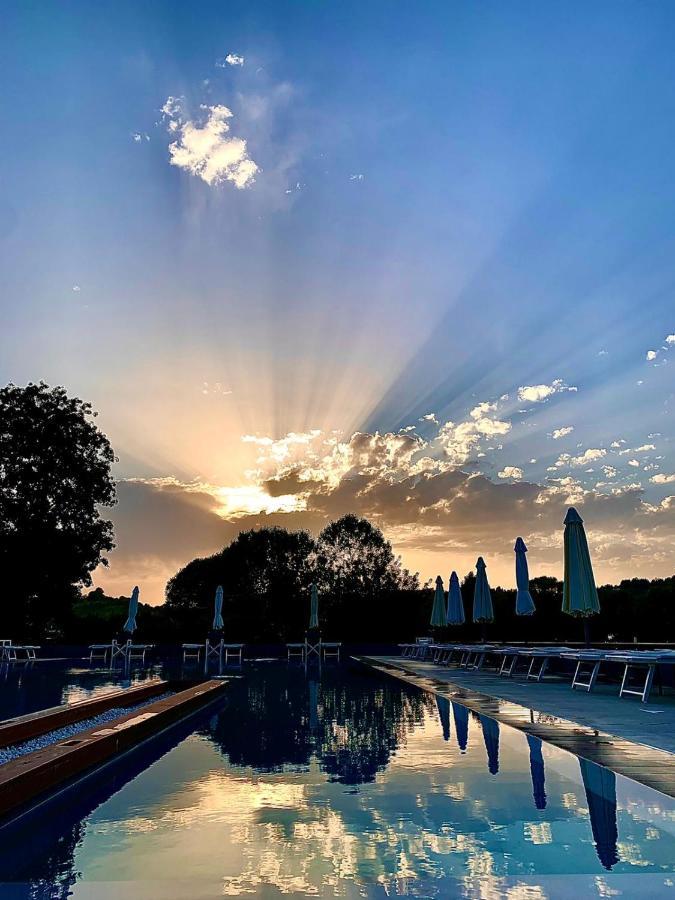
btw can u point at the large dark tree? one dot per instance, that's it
(266, 575)
(54, 476)
(354, 558)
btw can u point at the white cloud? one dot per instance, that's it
(356, 177)
(610, 471)
(662, 478)
(232, 59)
(137, 137)
(566, 459)
(651, 354)
(429, 417)
(643, 448)
(562, 432)
(511, 472)
(670, 339)
(77, 288)
(633, 462)
(535, 393)
(207, 149)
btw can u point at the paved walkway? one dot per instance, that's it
(635, 739)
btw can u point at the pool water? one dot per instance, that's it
(343, 783)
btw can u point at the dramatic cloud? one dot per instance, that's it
(535, 393)
(428, 494)
(562, 432)
(206, 148)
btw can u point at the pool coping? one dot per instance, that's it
(647, 765)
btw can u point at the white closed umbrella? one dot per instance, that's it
(524, 602)
(455, 602)
(482, 598)
(130, 624)
(438, 614)
(218, 610)
(580, 595)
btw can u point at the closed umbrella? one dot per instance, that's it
(482, 599)
(314, 609)
(524, 601)
(600, 787)
(218, 610)
(491, 737)
(455, 603)
(130, 624)
(438, 615)
(443, 705)
(580, 595)
(461, 716)
(537, 771)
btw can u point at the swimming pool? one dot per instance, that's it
(347, 783)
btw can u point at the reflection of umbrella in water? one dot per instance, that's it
(443, 705)
(491, 737)
(461, 716)
(537, 772)
(600, 787)
(313, 705)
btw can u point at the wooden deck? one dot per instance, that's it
(24, 780)
(23, 728)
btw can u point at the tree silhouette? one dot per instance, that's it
(54, 476)
(354, 557)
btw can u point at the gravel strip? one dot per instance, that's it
(7, 754)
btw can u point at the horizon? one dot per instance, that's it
(308, 261)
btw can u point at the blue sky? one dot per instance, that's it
(267, 240)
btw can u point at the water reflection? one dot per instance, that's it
(338, 784)
(491, 737)
(537, 771)
(461, 716)
(600, 788)
(351, 727)
(443, 706)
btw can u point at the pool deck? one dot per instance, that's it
(634, 739)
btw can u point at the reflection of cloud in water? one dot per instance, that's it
(426, 820)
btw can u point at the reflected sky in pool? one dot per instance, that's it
(344, 783)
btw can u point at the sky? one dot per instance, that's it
(414, 261)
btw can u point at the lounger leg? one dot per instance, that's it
(648, 683)
(576, 673)
(624, 680)
(542, 668)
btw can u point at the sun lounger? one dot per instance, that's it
(234, 650)
(584, 659)
(331, 649)
(192, 651)
(9, 652)
(295, 650)
(539, 658)
(99, 651)
(641, 659)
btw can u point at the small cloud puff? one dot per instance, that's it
(232, 59)
(535, 393)
(662, 478)
(429, 417)
(562, 432)
(511, 472)
(77, 288)
(207, 149)
(139, 136)
(651, 355)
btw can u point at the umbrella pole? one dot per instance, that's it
(483, 633)
(587, 632)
